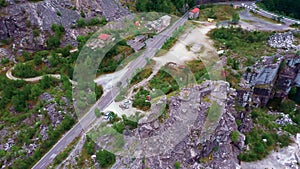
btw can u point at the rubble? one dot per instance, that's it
(282, 40)
(284, 119)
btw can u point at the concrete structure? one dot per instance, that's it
(138, 42)
(160, 24)
(194, 13)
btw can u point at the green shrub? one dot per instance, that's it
(80, 22)
(3, 3)
(140, 100)
(105, 158)
(97, 112)
(36, 32)
(53, 42)
(177, 165)
(235, 136)
(4, 61)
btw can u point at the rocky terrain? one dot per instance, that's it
(54, 111)
(197, 132)
(20, 19)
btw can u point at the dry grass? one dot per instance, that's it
(221, 12)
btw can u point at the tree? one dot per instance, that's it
(293, 93)
(235, 18)
(81, 105)
(24, 70)
(89, 145)
(97, 112)
(37, 59)
(105, 158)
(54, 60)
(58, 29)
(112, 117)
(36, 90)
(53, 42)
(287, 106)
(19, 102)
(91, 98)
(46, 82)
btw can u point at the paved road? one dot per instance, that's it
(252, 6)
(249, 21)
(108, 98)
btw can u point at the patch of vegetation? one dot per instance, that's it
(177, 165)
(58, 13)
(242, 48)
(89, 146)
(54, 41)
(235, 18)
(88, 149)
(217, 12)
(234, 136)
(92, 22)
(64, 154)
(105, 158)
(3, 3)
(199, 70)
(25, 70)
(164, 82)
(295, 25)
(242, 43)
(7, 41)
(114, 57)
(173, 39)
(59, 61)
(141, 76)
(140, 101)
(97, 112)
(82, 13)
(36, 32)
(23, 98)
(121, 95)
(165, 6)
(125, 123)
(265, 129)
(4, 61)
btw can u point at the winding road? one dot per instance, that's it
(10, 76)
